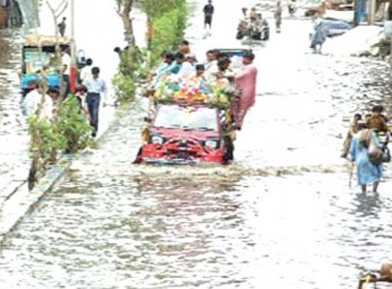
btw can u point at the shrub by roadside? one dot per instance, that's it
(67, 132)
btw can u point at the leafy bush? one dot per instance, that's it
(72, 126)
(169, 22)
(124, 86)
(69, 132)
(44, 139)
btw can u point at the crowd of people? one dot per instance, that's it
(182, 67)
(364, 146)
(90, 87)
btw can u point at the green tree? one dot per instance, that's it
(168, 20)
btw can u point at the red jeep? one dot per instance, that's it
(186, 134)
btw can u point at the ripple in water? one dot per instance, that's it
(148, 233)
(114, 225)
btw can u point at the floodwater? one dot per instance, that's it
(281, 216)
(14, 140)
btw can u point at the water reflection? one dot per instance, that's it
(114, 225)
(367, 205)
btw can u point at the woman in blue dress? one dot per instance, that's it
(367, 172)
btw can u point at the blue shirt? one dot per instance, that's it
(161, 71)
(175, 68)
(96, 86)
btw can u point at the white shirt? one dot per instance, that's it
(32, 101)
(211, 70)
(66, 60)
(186, 70)
(85, 73)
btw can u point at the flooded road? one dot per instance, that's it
(14, 159)
(116, 225)
(14, 140)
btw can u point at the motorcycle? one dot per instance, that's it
(253, 30)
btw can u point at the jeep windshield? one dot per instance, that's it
(186, 117)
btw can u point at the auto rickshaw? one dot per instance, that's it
(39, 60)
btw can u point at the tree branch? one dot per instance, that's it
(62, 11)
(61, 3)
(50, 7)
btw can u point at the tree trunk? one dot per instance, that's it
(127, 21)
(3, 18)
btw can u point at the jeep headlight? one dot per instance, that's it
(155, 139)
(211, 144)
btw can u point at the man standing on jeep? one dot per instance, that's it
(208, 12)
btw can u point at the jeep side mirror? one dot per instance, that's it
(147, 119)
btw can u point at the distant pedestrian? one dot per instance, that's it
(66, 61)
(208, 13)
(278, 17)
(62, 27)
(319, 36)
(95, 87)
(118, 51)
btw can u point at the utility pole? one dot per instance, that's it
(73, 50)
(372, 11)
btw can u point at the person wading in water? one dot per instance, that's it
(351, 132)
(364, 149)
(245, 81)
(208, 12)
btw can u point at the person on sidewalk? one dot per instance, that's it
(66, 61)
(62, 27)
(85, 72)
(81, 94)
(95, 87)
(208, 11)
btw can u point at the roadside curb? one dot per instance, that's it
(21, 202)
